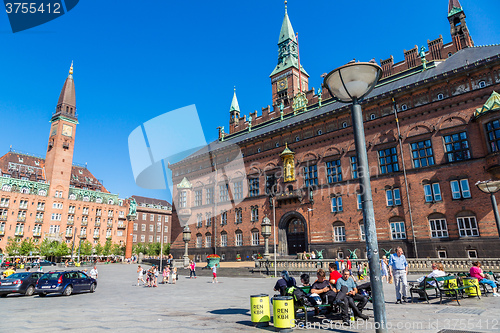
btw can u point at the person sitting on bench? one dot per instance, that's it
(437, 271)
(328, 294)
(477, 272)
(285, 282)
(305, 280)
(352, 295)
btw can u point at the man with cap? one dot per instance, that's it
(285, 282)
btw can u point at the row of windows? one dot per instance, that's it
(238, 217)
(467, 227)
(152, 217)
(238, 239)
(151, 227)
(459, 190)
(54, 229)
(150, 238)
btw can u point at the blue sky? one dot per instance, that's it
(137, 60)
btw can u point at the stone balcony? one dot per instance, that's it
(21, 219)
(121, 226)
(3, 217)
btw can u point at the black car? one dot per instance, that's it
(19, 283)
(65, 283)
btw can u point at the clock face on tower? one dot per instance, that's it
(67, 130)
(282, 84)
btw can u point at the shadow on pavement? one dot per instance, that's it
(231, 312)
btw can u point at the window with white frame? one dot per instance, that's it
(158, 239)
(198, 198)
(151, 228)
(143, 227)
(208, 219)
(333, 171)
(224, 193)
(238, 190)
(119, 233)
(57, 205)
(398, 230)
(37, 230)
(182, 199)
(134, 238)
(223, 240)
(85, 210)
(135, 226)
(199, 220)
(151, 217)
(432, 192)
(144, 216)
(223, 217)
(439, 229)
(460, 189)
(209, 195)
(254, 213)
(165, 229)
(23, 204)
(69, 231)
(2, 227)
(238, 240)
(56, 217)
(337, 204)
(253, 186)
(54, 229)
(354, 167)
(165, 239)
(393, 197)
(208, 240)
(158, 227)
(159, 218)
(362, 232)
(255, 237)
(19, 229)
(339, 233)
(150, 238)
(143, 238)
(238, 215)
(467, 226)
(198, 240)
(83, 231)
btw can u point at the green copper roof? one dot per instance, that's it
(492, 104)
(184, 184)
(454, 10)
(286, 30)
(289, 62)
(234, 103)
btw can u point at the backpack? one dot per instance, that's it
(144, 272)
(299, 296)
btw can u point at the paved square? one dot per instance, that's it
(118, 305)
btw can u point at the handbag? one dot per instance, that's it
(390, 279)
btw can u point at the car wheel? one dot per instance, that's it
(3, 295)
(29, 291)
(68, 290)
(92, 287)
(42, 294)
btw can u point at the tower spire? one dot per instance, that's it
(234, 103)
(234, 112)
(66, 105)
(459, 31)
(454, 4)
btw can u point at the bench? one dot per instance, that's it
(316, 307)
(423, 288)
(451, 292)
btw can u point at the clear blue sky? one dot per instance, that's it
(135, 60)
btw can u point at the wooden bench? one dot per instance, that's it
(423, 288)
(451, 292)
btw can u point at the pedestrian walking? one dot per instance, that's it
(192, 268)
(156, 273)
(141, 275)
(214, 274)
(398, 269)
(94, 273)
(174, 275)
(164, 276)
(383, 268)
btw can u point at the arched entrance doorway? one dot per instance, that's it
(292, 234)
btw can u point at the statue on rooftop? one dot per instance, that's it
(133, 207)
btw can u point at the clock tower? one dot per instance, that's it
(285, 76)
(59, 157)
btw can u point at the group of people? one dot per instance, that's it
(149, 277)
(336, 290)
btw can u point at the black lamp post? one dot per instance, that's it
(351, 83)
(186, 237)
(266, 233)
(492, 186)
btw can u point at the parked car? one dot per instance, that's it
(19, 283)
(65, 283)
(43, 263)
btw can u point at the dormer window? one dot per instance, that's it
(344, 124)
(440, 97)
(404, 107)
(372, 116)
(319, 132)
(482, 84)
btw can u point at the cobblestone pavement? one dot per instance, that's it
(119, 305)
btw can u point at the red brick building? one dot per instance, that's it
(53, 198)
(302, 149)
(153, 222)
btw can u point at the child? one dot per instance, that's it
(174, 275)
(360, 271)
(214, 273)
(164, 275)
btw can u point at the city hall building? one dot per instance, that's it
(53, 198)
(432, 128)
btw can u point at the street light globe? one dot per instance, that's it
(186, 234)
(266, 227)
(489, 186)
(353, 81)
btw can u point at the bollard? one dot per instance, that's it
(283, 313)
(471, 291)
(261, 314)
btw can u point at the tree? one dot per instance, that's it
(153, 249)
(61, 249)
(139, 248)
(12, 247)
(48, 247)
(166, 249)
(98, 249)
(28, 246)
(106, 250)
(86, 248)
(118, 250)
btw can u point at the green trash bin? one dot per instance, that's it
(283, 313)
(260, 309)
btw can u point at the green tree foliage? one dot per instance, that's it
(61, 249)
(106, 250)
(166, 249)
(12, 247)
(139, 248)
(28, 246)
(48, 247)
(98, 249)
(118, 250)
(86, 248)
(153, 249)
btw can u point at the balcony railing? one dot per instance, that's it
(19, 233)
(96, 236)
(40, 209)
(71, 222)
(97, 224)
(4, 205)
(110, 225)
(71, 211)
(121, 226)
(84, 223)
(98, 214)
(21, 219)
(39, 220)
(37, 234)
(23, 207)
(2, 232)
(3, 217)
(85, 213)
(69, 235)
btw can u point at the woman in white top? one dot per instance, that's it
(437, 271)
(141, 275)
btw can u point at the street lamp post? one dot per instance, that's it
(266, 233)
(351, 83)
(492, 186)
(186, 237)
